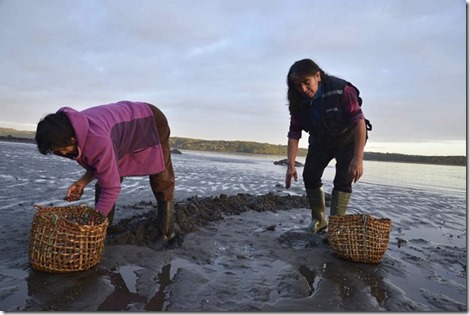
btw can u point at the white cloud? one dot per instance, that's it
(213, 60)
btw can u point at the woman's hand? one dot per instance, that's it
(75, 191)
(356, 169)
(291, 172)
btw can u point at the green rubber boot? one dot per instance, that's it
(316, 200)
(166, 224)
(166, 219)
(111, 215)
(339, 202)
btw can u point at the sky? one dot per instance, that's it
(217, 68)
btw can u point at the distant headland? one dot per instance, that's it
(179, 143)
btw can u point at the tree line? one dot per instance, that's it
(271, 149)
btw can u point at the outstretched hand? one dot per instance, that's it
(74, 192)
(356, 169)
(291, 172)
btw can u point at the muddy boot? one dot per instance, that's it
(316, 200)
(166, 222)
(339, 202)
(111, 216)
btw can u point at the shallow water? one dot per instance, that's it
(426, 259)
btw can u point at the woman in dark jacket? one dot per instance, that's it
(329, 109)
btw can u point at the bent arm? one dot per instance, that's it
(292, 148)
(356, 168)
(86, 178)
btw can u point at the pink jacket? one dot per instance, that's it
(116, 140)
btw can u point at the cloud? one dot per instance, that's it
(218, 68)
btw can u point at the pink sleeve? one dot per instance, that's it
(107, 173)
(351, 106)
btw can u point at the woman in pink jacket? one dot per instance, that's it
(113, 141)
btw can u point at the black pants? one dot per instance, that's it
(163, 184)
(319, 157)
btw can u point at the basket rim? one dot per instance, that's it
(85, 208)
(359, 215)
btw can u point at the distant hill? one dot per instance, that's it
(271, 149)
(9, 134)
(5, 132)
(457, 160)
(231, 146)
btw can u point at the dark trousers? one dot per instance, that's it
(319, 157)
(162, 184)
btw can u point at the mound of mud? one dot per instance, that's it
(195, 212)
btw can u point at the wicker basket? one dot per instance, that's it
(359, 237)
(65, 239)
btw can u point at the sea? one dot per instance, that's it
(23, 169)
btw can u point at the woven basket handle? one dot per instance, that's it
(360, 212)
(356, 210)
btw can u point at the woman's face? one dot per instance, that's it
(307, 85)
(70, 151)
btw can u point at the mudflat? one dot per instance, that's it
(241, 246)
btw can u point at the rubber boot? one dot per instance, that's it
(111, 216)
(339, 202)
(166, 219)
(316, 200)
(166, 222)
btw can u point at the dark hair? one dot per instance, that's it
(54, 131)
(301, 68)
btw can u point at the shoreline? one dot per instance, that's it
(446, 160)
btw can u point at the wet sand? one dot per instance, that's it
(232, 253)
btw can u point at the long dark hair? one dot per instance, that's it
(301, 68)
(54, 131)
